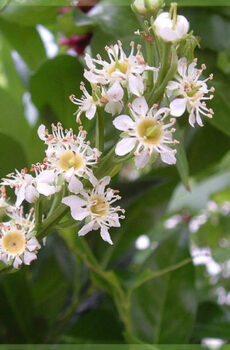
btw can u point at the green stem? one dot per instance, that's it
(38, 213)
(100, 130)
(50, 221)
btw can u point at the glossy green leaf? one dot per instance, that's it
(30, 47)
(14, 158)
(164, 308)
(52, 84)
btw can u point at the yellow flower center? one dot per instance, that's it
(99, 206)
(122, 66)
(14, 242)
(150, 131)
(71, 160)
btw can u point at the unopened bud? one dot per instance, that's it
(147, 8)
(171, 27)
(187, 46)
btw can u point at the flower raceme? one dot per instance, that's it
(190, 92)
(146, 132)
(120, 86)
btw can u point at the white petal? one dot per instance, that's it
(105, 235)
(90, 113)
(178, 106)
(46, 189)
(86, 228)
(125, 146)
(102, 183)
(113, 107)
(168, 157)
(115, 93)
(31, 194)
(75, 203)
(28, 257)
(136, 85)
(173, 85)
(182, 66)
(123, 122)
(140, 106)
(75, 185)
(17, 262)
(142, 159)
(20, 193)
(192, 119)
(32, 244)
(47, 176)
(41, 132)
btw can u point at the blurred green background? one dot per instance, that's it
(56, 300)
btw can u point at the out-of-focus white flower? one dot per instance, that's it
(190, 92)
(68, 154)
(3, 203)
(46, 180)
(95, 207)
(171, 29)
(146, 131)
(125, 71)
(17, 241)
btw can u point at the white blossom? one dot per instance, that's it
(191, 92)
(18, 243)
(67, 154)
(109, 99)
(95, 207)
(171, 29)
(122, 71)
(146, 133)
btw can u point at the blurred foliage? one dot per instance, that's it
(55, 300)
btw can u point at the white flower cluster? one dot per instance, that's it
(120, 86)
(69, 160)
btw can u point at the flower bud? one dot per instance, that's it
(171, 28)
(147, 8)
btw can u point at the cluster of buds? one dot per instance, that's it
(145, 96)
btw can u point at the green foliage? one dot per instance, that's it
(160, 295)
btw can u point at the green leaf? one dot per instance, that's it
(26, 15)
(14, 158)
(200, 193)
(212, 322)
(164, 308)
(31, 48)
(52, 84)
(221, 106)
(12, 121)
(75, 22)
(199, 159)
(182, 162)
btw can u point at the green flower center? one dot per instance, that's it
(122, 66)
(150, 131)
(99, 206)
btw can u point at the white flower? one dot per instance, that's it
(96, 207)
(170, 29)
(23, 184)
(28, 187)
(125, 71)
(146, 131)
(68, 154)
(101, 97)
(190, 92)
(17, 241)
(3, 203)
